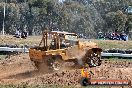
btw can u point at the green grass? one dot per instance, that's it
(109, 44)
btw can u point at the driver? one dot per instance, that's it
(64, 43)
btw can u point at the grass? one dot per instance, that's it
(118, 60)
(47, 86)
(2, 56)
(109, 44)
(56, 86)
(12, 40)
(32, 40)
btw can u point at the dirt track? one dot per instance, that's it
(19, 69)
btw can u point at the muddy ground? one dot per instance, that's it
(19, 69)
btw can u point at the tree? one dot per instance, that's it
(11, 17)
(116, 21)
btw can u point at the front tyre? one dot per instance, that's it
(94, 60)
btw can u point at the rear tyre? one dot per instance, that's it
(57, 63)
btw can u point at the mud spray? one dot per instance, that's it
(80, 56)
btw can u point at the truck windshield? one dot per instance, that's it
(71, 37)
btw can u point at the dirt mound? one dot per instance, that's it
(19, 69)
(72, 77)
(15, 65)
(58, 78)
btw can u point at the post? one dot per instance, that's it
(24, 49)
(3, 29)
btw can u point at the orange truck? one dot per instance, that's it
(58, 47)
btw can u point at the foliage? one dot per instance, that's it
(87, 17)
(116, 20)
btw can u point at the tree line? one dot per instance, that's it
(86, 17)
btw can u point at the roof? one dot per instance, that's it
(63, 32)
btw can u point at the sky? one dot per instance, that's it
(61, 1)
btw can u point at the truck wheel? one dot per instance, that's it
(57, 64)
(94, 60)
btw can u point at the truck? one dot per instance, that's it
(59, 47)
